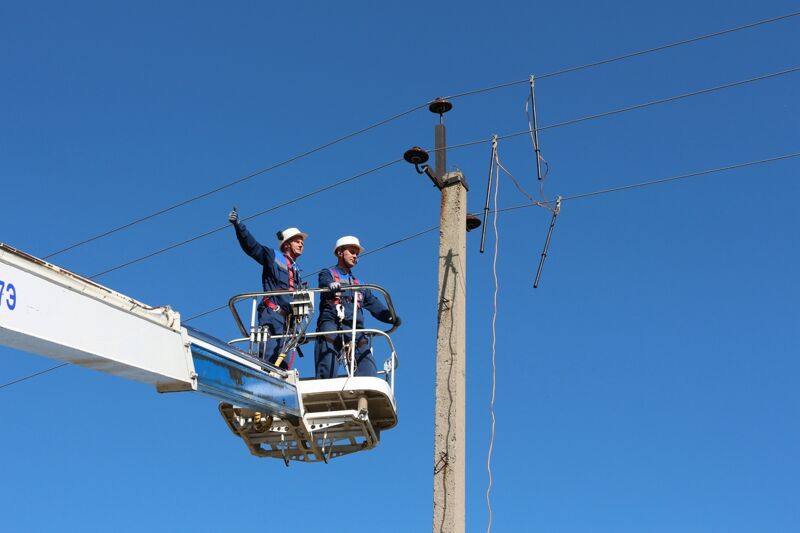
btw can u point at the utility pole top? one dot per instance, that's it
(449, 446)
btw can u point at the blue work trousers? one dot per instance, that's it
(326, 353)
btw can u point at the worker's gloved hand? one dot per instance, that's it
(335, 286)
(397, 321)
(233, 217)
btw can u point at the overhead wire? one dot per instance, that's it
(609, 190)
(239, 180)
(634, 107)
(392, 118)
(629, 55)
(220, 308)
(249, 217)
(24, 378)
(454, 147)
(453, 96)
(667, 179)
(374, 250)
(514, 180)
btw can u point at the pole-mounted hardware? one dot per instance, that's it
(419, 158)
(492, 159)
(534, 128)
(440, 106)
(473, 222)
(556, 211)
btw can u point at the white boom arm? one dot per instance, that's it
(52, 312)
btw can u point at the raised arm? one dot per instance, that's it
(249, 244)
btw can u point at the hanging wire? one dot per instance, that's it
(494, 351)
(545, 204)
(513, 179)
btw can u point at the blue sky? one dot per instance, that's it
(647, 385)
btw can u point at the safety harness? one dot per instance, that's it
(277, 309)
(272, 305)
(346, 346)
(337, 298)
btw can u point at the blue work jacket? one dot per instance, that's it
(327, 304)
(275, 272)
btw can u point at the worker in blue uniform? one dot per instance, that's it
(336, 314)
(280, 272)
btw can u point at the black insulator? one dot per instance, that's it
(416, 155)
(440, 106)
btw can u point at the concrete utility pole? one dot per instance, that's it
(451, 368)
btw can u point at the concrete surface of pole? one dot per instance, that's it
(449, 434)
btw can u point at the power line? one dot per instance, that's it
(214, 310)
(409, 111)
(667, 179)
(523, 206)
(374, 250)
(45, 371)
(455, 146)
(634, 107)
(239, 180)
(273, 208)
(682, 176)
(574, 197)
(627, 56)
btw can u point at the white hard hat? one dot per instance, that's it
(289, 233)
(348, 240)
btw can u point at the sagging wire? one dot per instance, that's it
(494, 168)
(494, 174)
(515, 182)
(494, 353)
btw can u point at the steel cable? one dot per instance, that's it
(407, 112)
(512, 208)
